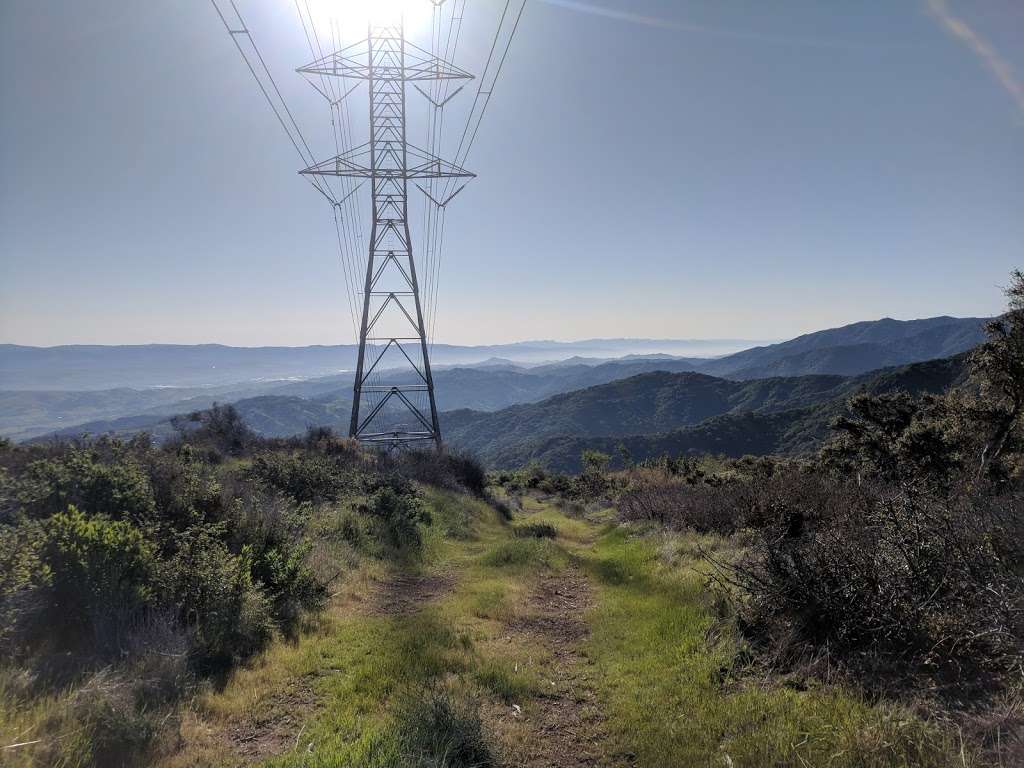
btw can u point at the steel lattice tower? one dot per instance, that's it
(392, 322)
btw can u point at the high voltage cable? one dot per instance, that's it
(280, 109)
(440, 213)
(355, 219)
(432, 211)
(488, 82)
(481, 100)
(346, 241)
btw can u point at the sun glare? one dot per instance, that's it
(354, 16)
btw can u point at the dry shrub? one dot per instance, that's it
(569, 507)
(724, 507)
(892, 581)
(441, 469)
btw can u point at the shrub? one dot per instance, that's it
(218, 431)
(675, 466)
(345, 451)
(214, 594)
(442, 469)
(350, 527)
(304, 476)
(998, 368)
(185, 487)
(23, 578)
(680, 506)
(156, 658)
(469, 472)
(558, 485)
(119, 730)
(502, 507)
(896, 438)
(101, 575)
(892, 577)
(273, 530)
(786, 496)
(119, 488)
(394, 518)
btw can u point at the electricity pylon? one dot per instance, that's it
(392, 324)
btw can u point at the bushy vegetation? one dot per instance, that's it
(130, 572)
(593, 484)
(895, 556)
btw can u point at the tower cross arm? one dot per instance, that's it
(354, 62)
(420, 165)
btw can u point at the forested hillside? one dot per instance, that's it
(657, 414)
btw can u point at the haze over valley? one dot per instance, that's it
(571, 403)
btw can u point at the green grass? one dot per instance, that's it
(502, 678)
(518, 553)
(364, 666)
(672, 698)
(24, 717)
(490, 600)
(403, 690)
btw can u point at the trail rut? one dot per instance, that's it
(567, 720)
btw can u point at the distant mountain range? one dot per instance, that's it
(92, 367)
(28, 414)
(854, 349)
(506, 410)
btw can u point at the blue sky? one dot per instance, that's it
(653, 168)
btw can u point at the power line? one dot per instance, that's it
(257, 66)
(347, 242)
(487, 84)
(392, 288)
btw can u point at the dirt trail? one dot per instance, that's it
(405, 594)
(267, 737)
(567, 720)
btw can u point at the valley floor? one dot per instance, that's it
(596, 648)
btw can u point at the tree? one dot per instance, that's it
(897, 438)
(998, 365)
(595, 463)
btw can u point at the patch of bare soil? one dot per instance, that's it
(566, 724)
(407, 593)
(278, 731)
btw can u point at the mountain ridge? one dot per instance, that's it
(763, 431)
(498, 384)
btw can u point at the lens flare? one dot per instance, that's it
(354, 16)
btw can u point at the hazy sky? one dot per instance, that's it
(661, 168)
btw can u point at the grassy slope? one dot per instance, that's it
(677, 697)
(671, 695)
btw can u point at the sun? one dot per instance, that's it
(354, 16)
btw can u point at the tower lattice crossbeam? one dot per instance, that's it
(390, 406)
